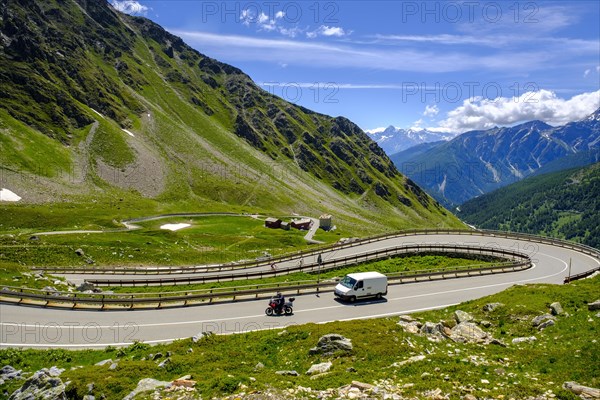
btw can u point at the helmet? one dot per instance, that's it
(279, 294)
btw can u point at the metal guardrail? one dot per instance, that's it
(315, 251)
(581, 275)
(208, 296)
(312, 267)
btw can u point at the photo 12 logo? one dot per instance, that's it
(257, 12)
(469, 12)
(294, 92)
(68, 333)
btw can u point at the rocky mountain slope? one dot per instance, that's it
(478, 162)
(564, 204)
(393, 140)
(98, 103)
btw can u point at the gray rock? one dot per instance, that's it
(89, 397)
(164, 363)
(201, 335)
(545, 324)
(541, 319)
(80, 252)
(113, 366)
(287, 373)
(468, 332)
(55, 371)
(524, 339)
(594, 306)
(157, 356)
(85, 286)
(8, 372)
(498, 342)
(41, 385)
(145, 385)
(492, 306)
(329, 344)
(461, 316)
(319, 368)
(259, 366)
(104, 362)
(410, 360)
(90, 387)
(556, 308)
(406, 318)
(485, 324)
(50, 289)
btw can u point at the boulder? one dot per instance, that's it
(55, 371)
(545, 324)
(144, 385)
(492, 306)
(113, 366)
(594, 306)
(329, 344)
(41, 385)
(85, 286)
(196, 338)
(461, 316)
(287, 373)
(319, 368)
(104, 362)
(80, 252)
(183, 383)
(556, 308)
(468, 332)
(50, 289)
(164, 363)
(584, 392)
(537, 321)
(524, 339)
(8, 372)
(259, 366)
(362, 386)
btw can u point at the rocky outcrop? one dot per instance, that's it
(331, 343)
(42, 385)
(582, 391)
(144, 385)
(556, 308)
(461, 316)
(541, 319)
(319, 368)
(594, 306)
(492, 306)
(468, 332)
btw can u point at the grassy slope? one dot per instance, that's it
(217, 140)
(568, 351)
(563, 204)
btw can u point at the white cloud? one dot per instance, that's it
(431, 111)
(325, 30)
(348, 55)
(131, 7)
(598, 68)
(480, 113)
(265, 23)
(586, 72)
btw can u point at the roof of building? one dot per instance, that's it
(272, 219)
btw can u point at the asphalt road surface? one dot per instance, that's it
(36, 327)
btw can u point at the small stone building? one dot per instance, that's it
(325, 222)
(273, 223)
(303, 224)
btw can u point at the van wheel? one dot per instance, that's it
(379, 296)
(352, 299)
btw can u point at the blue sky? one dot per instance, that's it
(451, 66)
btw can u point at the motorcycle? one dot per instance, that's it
(275, 309)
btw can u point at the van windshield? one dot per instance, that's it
(348, 282)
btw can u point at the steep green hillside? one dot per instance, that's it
(563, 204)
(100, 106)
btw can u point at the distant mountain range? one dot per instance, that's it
(393, 140)
(564, 204)
(478, 162)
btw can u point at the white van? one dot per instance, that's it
(362, 284)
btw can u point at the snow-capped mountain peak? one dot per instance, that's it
(393, 140)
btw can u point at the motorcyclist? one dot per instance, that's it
(280, 300)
